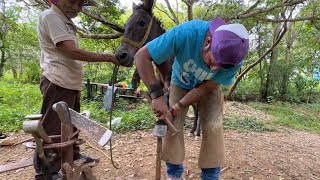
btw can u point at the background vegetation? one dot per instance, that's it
(281, 83)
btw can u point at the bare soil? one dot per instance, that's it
(285, 154)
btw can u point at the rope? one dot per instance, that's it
(114, 75)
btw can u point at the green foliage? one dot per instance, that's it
(305, 89)
(32, 72)
(20, 41)
(140, 117)
(246, 124)
(207, 11)
(249, 88)
(136, 119)
(297, 116)
(16, 101)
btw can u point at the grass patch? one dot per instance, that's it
(297, 116)
(140, 117)
(244, 124)
(16, 101)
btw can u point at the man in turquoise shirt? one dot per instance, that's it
(207, 54)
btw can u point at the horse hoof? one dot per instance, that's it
(190, 135)
(197, 138)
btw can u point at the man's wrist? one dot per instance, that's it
(155, 91)
(156, 94)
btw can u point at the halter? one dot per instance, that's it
(138, 45)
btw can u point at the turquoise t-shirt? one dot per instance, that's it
(185, 42)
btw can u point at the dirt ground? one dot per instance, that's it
(285, 154)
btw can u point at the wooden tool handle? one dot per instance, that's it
(169, 123)
(158, 159)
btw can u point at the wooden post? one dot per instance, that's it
(67, 130)
(89, 90)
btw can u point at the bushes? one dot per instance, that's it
(32, 72)
(133, 117)
(16, 101)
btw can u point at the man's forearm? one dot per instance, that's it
(144, 66)
(82, 55)
(195, 94)
(69, 48)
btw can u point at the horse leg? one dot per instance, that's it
(194, 126)
(197, 128)
(195, 122)
(198, 131)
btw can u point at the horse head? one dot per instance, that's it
(140, 28)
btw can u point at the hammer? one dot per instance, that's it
(160, 130)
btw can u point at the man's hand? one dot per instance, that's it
(111, 58)
(160, 107)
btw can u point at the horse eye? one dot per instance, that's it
(142, 23)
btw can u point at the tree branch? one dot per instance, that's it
(100, 36)
(87, 34)
(86, 11)
(252, 7)
(288, 20)
(174, 17)
(231, 90)
(166, 13)
(102, 19)
(264, 10)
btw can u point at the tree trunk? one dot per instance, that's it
(272, 72)
(20, 64)
(14, 72)
(189, 4)
(2, 36)
(260, 64)
(2, 61)
(190, 13)
(285, 74)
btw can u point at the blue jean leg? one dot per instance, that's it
(174, 170)
(210, 173)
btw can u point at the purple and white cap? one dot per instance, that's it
(230, 42)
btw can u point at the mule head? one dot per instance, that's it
(138, 31)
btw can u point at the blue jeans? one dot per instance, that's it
(175, 171)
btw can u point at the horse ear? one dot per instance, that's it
(148, 5)
(134, 6)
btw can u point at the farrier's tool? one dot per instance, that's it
(35, 128)
(160, 130)
(99, 133)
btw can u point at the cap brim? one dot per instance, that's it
(87, 3)
(90, 3)
(214, 24)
